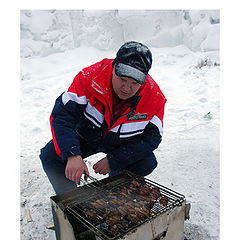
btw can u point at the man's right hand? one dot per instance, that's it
(75, 168)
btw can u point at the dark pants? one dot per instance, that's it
(55, 168)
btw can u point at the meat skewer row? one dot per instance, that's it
(133, 217)
(164, 201)
(143, 212)
(91, 213)
(155, 193)
(110, 212)
(145, 189)
(112, 220)
(124, 225)
(131, 206)
(99, 204)
(135, 184)
(114, 201)
(114, 229)
(146, 200)
(132, 189)
(122, 210)
(124, 190)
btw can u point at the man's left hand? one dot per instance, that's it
(102, 166)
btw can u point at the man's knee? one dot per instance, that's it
(48, 153)
(145, 166)
(150, 163)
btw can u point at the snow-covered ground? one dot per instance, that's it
(188, 155)
(57, 44)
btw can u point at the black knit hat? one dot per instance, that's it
(133, 60)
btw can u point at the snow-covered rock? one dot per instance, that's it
(44, 32)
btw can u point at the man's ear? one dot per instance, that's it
(113, 71)
(114, 61)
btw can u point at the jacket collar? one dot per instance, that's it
(101, 88)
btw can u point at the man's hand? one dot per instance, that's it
(102, 166)
(75, 168)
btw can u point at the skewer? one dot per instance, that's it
(96, 184)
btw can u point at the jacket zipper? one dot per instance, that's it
(111, 120)
(129, 114)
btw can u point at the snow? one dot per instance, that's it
(62, 30)
(186, 67)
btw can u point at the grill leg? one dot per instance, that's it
(63, 228)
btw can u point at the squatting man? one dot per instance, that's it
(113, 106)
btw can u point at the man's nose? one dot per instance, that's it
(126, 86)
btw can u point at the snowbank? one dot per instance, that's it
(44, 32)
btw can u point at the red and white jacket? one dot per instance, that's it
(81, 120)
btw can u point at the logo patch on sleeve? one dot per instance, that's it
(138, 116)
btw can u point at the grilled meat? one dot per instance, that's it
(114, 229)
(99, 204)
(124, 225)
(125, 190)
(133, 217)
(123, 194)
(164, 201)
(132, 189)
(145, 189)
(91, 213)
(149, 204)
(135, 184)
(143, 212)
(155, 193)
(128, 203)
(122, 211)
(114, 202)
(110, 212)
(112, 220)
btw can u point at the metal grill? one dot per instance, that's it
(113, 208)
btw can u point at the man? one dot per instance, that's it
(113, 106)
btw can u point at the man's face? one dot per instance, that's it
(124, 87)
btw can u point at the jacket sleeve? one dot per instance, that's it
(139, 146)
(67, 111)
